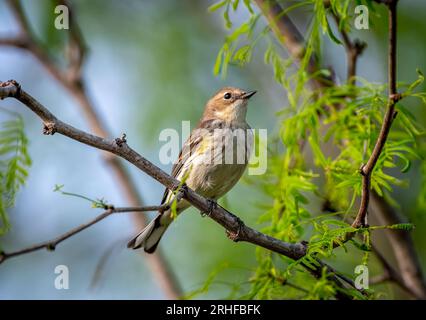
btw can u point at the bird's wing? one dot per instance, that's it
(189, 148)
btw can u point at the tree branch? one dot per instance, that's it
(390, 274)
(76, 47)
(367, 169)
(51, 244)
(403, 247)
(120, 148)
(72, 80)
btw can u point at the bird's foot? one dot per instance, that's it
(183, 189)
(212, 206)
(235, 236)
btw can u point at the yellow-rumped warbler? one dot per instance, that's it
(211, 161)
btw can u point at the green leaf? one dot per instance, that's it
(416, 83)
(217, 5)
(331, 34)
(242, 55)
(248, 6)
(235, 4)
(402, 226)
(407, 166)
(316, 149)
(228, 22)
(218, 62)
(14, 163)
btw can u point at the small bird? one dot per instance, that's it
(204, 162)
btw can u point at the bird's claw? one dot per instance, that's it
(235, 236)
(183, 189)
(212, 206)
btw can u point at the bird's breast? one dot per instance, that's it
(220, 160)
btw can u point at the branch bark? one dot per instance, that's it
(72, 80)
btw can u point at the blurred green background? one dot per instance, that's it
(150, 66)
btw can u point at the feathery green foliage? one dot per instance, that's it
(14, 164)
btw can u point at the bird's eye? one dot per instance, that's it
(227, 96)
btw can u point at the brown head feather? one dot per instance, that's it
(228, 104)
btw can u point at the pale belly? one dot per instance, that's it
(214, 181)
(213, 174)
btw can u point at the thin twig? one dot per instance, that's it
(50, 245)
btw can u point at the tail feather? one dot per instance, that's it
(149, 237)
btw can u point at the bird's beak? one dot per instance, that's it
(248, 94)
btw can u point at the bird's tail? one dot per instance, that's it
(150, 236)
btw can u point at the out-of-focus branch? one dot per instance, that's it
(72, 80)
(235, 227)
(390, 274)
(353, 48)
(291, 38)
(51, 244)
(76, 50)
(403, 247)
(18, 42)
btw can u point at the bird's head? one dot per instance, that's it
(228, 104)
